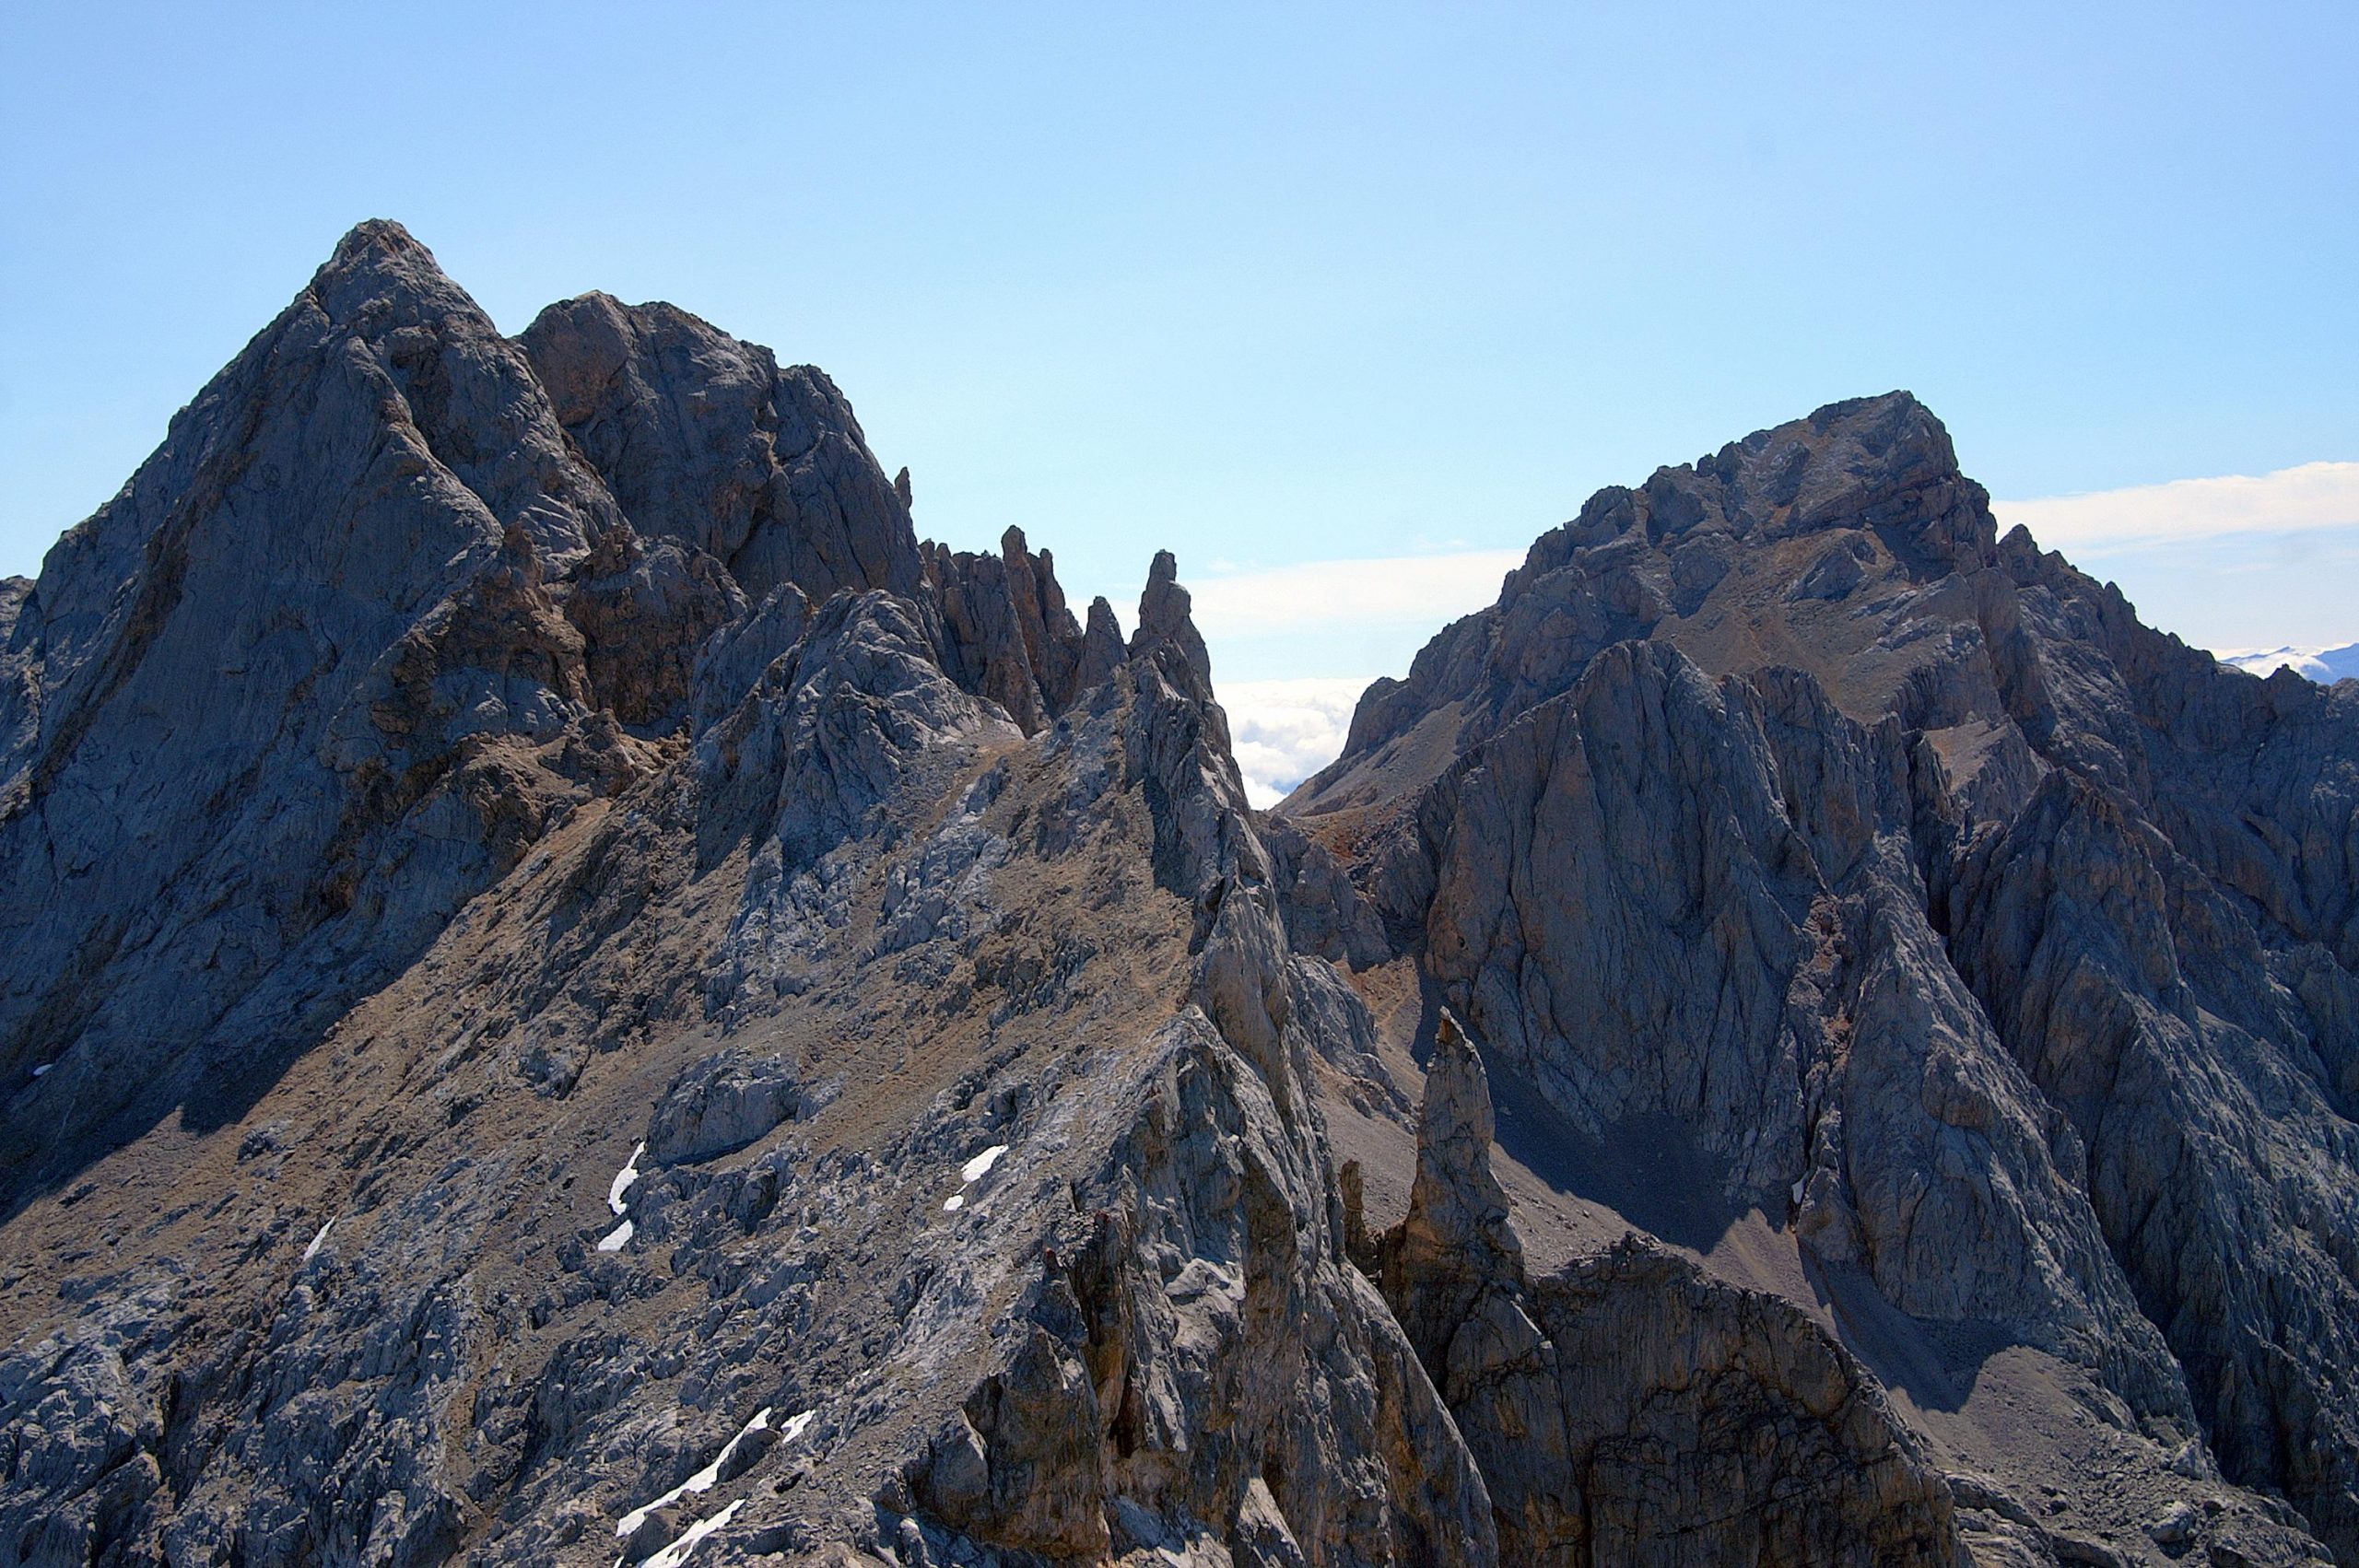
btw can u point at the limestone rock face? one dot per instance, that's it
(572, 991)
(1976, 937)
(281, 708)
(1808, 1029)
(784, 1067)
(1631, 1409)
(2147, 1011)
(707, 440)
(1687, 1400)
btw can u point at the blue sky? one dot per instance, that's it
(1268, 284)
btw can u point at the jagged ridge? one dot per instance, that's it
(705, 1026)
(1976, 936)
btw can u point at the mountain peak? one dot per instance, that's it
(378, 243)
(777, 1032)
(1899, 402)
(1164, 617)
(1826, 469)
(379, 260)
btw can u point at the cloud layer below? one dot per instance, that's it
(2324, 665)
(1286, 731)
(2312, 495)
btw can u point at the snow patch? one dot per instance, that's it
(677, 1552)
(972, 1172)
(796, 1425)
(623, 1178)
(704, 1479)
(314, 1251)
(44, 1067)
(617, 1238)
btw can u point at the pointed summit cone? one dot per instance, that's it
(332, 578)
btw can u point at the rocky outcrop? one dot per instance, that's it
(1007, 634)
(707, 440)
(1781, 809)
(1457, 1242)
(1631, 1409)
(724, 1102)
(1203, 1365)
(704, 1028)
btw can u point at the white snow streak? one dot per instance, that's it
(623, 1178)
(972, 1172)
(703, 1481)
(314, 1251)
(617, 1238)
(44, 1067)
(677, 1552)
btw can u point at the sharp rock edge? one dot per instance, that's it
(1899, 1114)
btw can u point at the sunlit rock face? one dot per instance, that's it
(576, 992)
(606, 1001)
(1986, 949)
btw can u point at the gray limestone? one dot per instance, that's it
(572, 991)
(1982, 940)
(1631, 1409)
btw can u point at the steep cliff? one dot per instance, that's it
(575, 992)
(1631, 1408)
(1981, 946)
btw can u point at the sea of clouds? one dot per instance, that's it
(1286, 731)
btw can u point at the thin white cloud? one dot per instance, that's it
(1394, 590)
(1286, 730)
(2312, 495)
(2324, 665)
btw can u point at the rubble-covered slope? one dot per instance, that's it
(873, 1117)
(856, 1070)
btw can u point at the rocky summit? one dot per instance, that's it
(572, 992)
